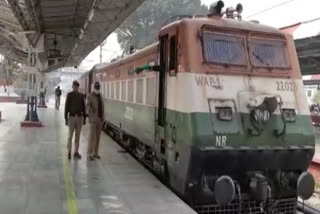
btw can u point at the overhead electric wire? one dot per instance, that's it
(303, 22)
(270, 8)
(311, 20)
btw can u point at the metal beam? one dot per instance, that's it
(19, 14)
(5, 22)
(309, 52)
(307, 41)
(36, 16)
(306, 209)
(311, 82)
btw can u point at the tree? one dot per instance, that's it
(142, 27)
(9, 71)
(15, 69)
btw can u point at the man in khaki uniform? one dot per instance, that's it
(75, 116)
(95, 108)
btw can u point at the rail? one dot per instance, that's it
(306, 209)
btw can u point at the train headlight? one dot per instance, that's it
(224, 190)
(305, 185)
(224, 113)
(289, 115)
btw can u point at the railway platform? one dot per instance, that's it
(37, 178)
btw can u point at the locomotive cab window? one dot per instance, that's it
(268, 52)
(224, 48)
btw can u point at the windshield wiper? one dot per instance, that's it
(261, 60)
(258, 57)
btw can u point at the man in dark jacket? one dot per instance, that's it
(75, 116)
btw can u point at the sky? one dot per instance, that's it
(290, 12)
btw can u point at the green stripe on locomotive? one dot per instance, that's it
(204, 129)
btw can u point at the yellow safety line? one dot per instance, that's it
(68, 186)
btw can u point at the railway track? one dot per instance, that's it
(301, 207)
(306, 209)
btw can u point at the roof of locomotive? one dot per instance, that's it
(199, 21)
(96, 67)
(216, 21)
(136, 55)
(85, 74)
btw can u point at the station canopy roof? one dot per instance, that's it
(307, 41)
(61, 32)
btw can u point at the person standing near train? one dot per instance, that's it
(75, 116)
(58, 95)
(95, 108)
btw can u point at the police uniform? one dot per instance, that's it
(95, 108)
(75, 115)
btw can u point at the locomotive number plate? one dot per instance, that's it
(284, 86)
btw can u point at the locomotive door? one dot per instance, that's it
(165, 122)
(161, 114)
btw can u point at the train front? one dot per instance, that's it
(252, 137)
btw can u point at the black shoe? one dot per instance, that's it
(69, 156)
(97, 156)
(77, 155)
(90, 158)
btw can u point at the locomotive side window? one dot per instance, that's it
(222, 48)
(109, 92)
(123, 90)
(106, 90)
(102, 90)
(268, 53)
(117, 90)
(130, 91)
(112, 90)
(173, 53)
(139, 91)
(151, 91)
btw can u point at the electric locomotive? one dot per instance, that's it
(217, 108)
